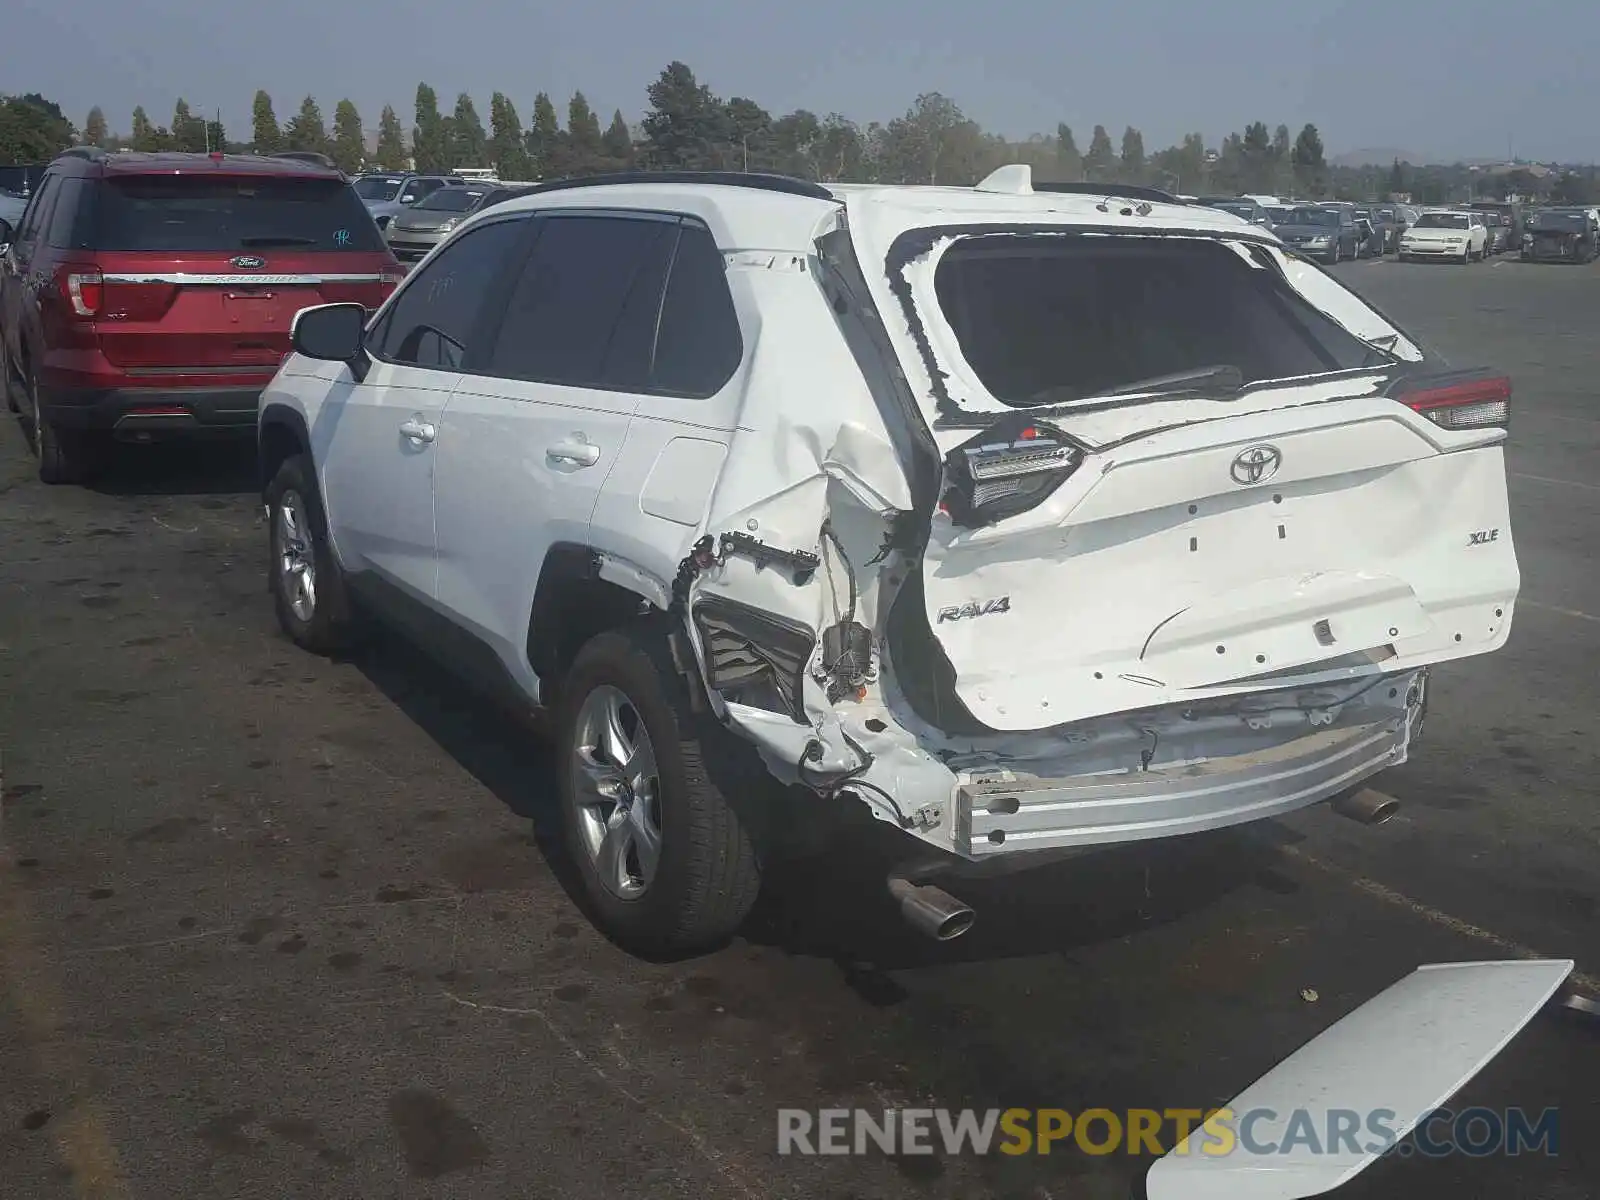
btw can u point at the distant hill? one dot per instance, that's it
(1380, 156)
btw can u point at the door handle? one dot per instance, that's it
(418, 430)
(577, 449)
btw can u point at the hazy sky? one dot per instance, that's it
(1449, 78)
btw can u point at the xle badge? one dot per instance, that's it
(960, 612)
(1482, 537)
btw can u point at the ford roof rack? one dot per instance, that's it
(757, 181)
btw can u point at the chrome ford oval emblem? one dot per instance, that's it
(1256, 464)
(249, 262)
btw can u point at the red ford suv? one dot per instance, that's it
(147, 295)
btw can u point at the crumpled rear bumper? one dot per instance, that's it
(1006, 813)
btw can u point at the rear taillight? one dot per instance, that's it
(392, 277)
(84, 290)
(1460, 400)
(1007, 469)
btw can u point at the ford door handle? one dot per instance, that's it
(418, 431)
(577, 450)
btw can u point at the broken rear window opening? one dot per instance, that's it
(1048, 319)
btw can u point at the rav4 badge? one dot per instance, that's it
(960, 612)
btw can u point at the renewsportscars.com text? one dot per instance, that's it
(1475, 1132)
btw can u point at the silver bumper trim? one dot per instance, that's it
(1031, 813)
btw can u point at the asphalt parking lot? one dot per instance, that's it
(272, 926)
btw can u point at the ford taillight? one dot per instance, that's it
(1459, 399)
(83, 288)
(1007, 469)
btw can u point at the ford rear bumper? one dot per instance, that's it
(145, 413)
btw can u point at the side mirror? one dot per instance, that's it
(7, 236)
(333, 333)
(407, 198)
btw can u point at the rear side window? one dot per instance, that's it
(584, 312)
(431, 321)
(209, 212)
(67, 228)
(698, 347)
(1050, 319)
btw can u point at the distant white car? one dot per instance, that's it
(1448, 234)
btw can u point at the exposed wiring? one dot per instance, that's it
(850, 571)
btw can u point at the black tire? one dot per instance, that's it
(708, 873)
(8, 380)
(326, 626)
(65, 456)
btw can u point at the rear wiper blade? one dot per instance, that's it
(277, 239)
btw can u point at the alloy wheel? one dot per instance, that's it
(619, 792)
(297, 564)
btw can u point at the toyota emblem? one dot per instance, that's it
(1257, 464)
(249, 262)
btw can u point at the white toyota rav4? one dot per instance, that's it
(1027, 521)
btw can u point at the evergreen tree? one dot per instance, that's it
(95, 132)
(584, 149)
(544, 138)
(265, 135)
(142, 133)
(306, 131)
(349, 139)
(469, 145)
(430, 139)
(507, 153)
(617, 142)
(391, 154)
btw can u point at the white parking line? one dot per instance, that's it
(1434, 916)
(1558, 610)
(1588, 487)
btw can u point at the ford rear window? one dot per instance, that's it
(190, 212)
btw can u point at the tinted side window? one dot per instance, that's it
(67, 229)
(584, 311)
(433, 316)
(698, 347)
(33, 216)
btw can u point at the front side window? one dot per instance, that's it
(431, 321)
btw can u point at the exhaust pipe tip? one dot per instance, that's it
(1366, 806)
(931, 911)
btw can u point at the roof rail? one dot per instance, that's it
(754, 180)
(310, 156)
(1125, 191)
(92, 153)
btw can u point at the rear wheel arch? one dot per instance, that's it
(280, 435)
(572, 605)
